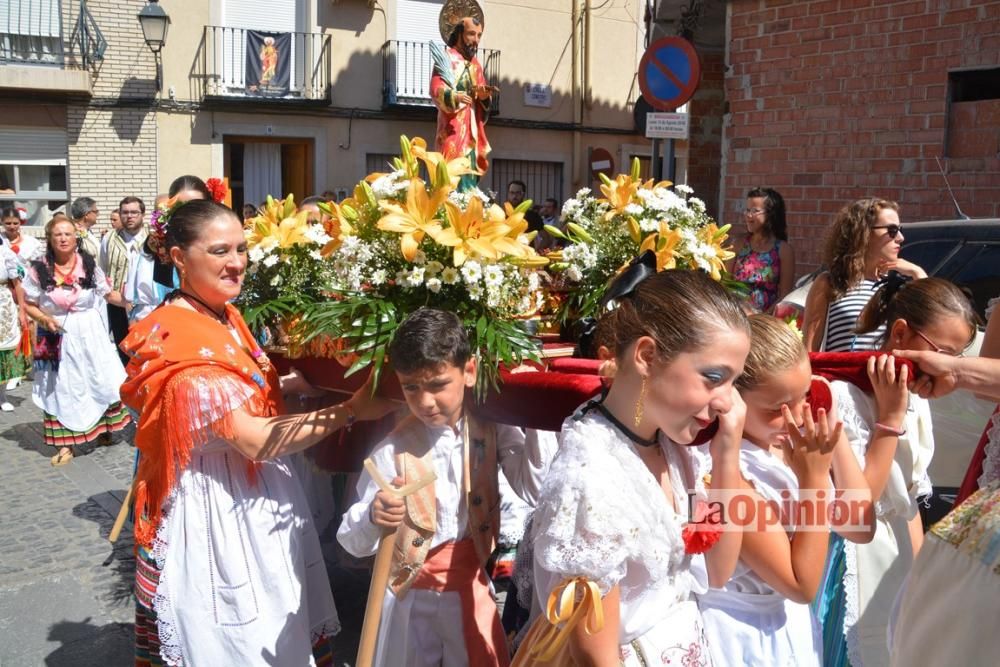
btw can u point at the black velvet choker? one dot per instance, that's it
(627, 432)
(191, 298)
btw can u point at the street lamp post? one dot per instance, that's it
(155, 22)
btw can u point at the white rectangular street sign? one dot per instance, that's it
(667, 125)
(537, 95)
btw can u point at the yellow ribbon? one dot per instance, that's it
(568, 604)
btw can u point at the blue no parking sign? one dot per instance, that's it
(669, 73)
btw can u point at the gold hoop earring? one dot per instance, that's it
(638, 403)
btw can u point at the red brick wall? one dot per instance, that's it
(706, 110)
(833, 100)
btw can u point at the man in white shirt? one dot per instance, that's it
(119, 256)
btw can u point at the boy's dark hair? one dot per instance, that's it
(427, 339)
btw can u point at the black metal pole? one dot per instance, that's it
(655, 159)
(671, 166)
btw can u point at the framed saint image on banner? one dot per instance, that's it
(269, 62)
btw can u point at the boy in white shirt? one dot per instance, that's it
(438, 607)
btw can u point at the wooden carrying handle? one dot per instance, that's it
(380, 571)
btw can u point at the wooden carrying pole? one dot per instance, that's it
(380, 572)
(122, 515)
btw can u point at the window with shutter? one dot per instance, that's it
(31, 31)
(416, 25)
(33, 170)
(239, 16)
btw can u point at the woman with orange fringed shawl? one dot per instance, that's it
(229, 568)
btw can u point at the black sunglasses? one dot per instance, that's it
(892, 231)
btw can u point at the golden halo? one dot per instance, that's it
(453, 12)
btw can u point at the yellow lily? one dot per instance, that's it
(619, 193)
(454, 169)
(664, 246)
(416, 219)
(469, 233)
(714, 236)
(336, 222)
(278, 225)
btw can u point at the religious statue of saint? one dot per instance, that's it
(268, 61)
(459, 89)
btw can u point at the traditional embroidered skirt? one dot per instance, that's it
(115, 419)
(830, 605)
(147, 634)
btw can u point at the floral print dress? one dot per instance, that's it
(761, 272)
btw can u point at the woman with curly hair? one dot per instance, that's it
(77, 370)
(862, 247)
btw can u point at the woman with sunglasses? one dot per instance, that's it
(862, 247)
(765, 261)
(891, 434)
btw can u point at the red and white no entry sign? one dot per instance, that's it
(601, 162)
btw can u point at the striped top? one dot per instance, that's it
(842, 317)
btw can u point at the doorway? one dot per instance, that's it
(261, 166)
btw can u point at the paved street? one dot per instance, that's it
(65, 591)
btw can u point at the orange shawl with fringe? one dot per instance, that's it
(186, 376)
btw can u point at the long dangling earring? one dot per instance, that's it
(638, 403)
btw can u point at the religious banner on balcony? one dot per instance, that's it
(269, 62)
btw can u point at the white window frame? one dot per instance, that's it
(21, 198)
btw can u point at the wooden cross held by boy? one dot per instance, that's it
(383, 563)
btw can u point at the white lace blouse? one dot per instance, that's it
(603, 516)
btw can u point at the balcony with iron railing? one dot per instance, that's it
(35, 52)
(236, 63)
(407, 68)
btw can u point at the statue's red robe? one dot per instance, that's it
(461, 128)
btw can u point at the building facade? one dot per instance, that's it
(359, 79)
(76, 112)
(825, 100)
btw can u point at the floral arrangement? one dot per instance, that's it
(287, 268)
(602, 235)
(405, 239)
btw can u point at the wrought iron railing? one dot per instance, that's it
(407, 68)
(31, 32)
(226, 55)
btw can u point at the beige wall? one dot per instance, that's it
(536, 47)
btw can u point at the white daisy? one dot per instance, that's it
(434, 285)
(271, 260)
(472, 272)
(493, 275)
(379, 277)
(416, 277)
